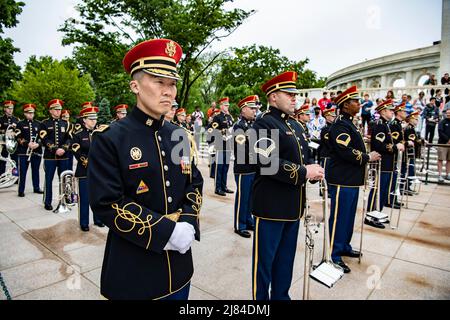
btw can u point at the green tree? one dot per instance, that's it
(104, 112)
(45, 79)
(111, 26)
(9, 71)
(249, 67)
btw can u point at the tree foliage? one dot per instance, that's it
(245, 69)
(109, 27)
(9, 71)
(45, 79)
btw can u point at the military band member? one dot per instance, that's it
(144, 187)
(279, 189)
(180, 118)
(169, 116)
(324, 150)
(121, 111)
(8, 119)
(412, 140)
(382, 141)
(346, 171)
(211, 149)
(80, 144)
(303, 116)
(55, 139)
(221, 125)
(244, 171)
(65, 115)
(29, 148)
(396, 127)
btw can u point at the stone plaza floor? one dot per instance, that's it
(44, 255)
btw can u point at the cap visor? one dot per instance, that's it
(169, 76)
(290, 90)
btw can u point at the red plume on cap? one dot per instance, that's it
(158, 57)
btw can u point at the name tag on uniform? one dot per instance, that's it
(63, 129)
(138, 165)
(85, 139)
(50, 128)
(289, 133)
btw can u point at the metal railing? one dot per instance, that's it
(429, 146)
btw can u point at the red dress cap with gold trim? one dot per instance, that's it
(304, 109)
(329, 112)
(89, 111)
(121, 108)
(249, 101)
(400, 107)
(225, 101)
(388, 104)
(413, 115)
(349, 94)
(65, 112)
(29, 107)
(55, 104)
(158, 57)
(180, 111)
(284, 82)
(9, 103)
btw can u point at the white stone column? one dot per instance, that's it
(384, 81)
(409, 79)
(445, 40)
(364, 83)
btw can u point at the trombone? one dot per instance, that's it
(326, 272)
(399, 192)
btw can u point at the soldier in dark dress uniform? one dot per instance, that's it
(221, 125)
(8, 119)
(324, 149)
(145, 187)
(54, 135)
(346, 173)
(81, 138)
(244, 170)
(278, 199)
(121, 112)
(29, 149)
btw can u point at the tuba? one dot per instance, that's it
(68, 195)
(8, 139)
(10, 176)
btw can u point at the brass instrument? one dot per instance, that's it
(371, 182)
(10, 176)
(375, 170)
(29, 150)
(311, 228)
(399, 191)
(68, 195)
(9, 139)
(326, 272)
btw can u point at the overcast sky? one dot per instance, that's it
(332, 34)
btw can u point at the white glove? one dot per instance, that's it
(181, 238)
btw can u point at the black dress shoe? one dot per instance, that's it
(84, 228)
(48, 207)
(250, 228)
(243, 233)
(395, 206)
(343, 266)
(374, 224)
(39, 191)
(351, 254)
(21, 194)
(220, 193)
(99, 224)
(229, 191)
